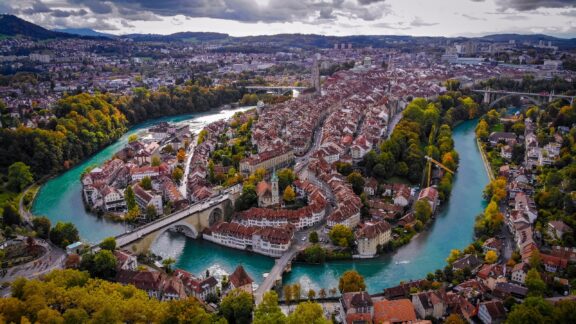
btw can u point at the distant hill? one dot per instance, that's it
(84, 32)
(178, 37)
(13, 26)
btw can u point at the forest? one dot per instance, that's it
(86, 123)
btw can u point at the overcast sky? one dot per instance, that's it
(329, 17)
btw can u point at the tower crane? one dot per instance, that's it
(430, 161)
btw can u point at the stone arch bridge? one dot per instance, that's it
(190, 222)
(492, 97)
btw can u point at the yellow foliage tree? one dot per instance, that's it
(289, 195)
(491, 257)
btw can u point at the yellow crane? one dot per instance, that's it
(430, 161)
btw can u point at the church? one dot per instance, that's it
(268, 193)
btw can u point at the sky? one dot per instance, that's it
(327, 17)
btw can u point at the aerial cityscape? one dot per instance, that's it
(263, 161)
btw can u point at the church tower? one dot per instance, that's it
(275, 189)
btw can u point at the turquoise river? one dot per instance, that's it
(60, 200)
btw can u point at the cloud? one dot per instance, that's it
(419, 22)
(473, 17)
(527, 5)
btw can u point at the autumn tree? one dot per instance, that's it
(132, 138)
(285, 177)
(454, 319)
(341, 235)
(454, 255)
(181, 155)
(308, 312)
(491, 257)
(351, 281)
(268, 311)
(289, 196)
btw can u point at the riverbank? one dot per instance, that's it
(485, 160)
(60, 198)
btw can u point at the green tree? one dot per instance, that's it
(285, 177)
(109, 244)
(151, 213)
(311, 294)
(423, 210)
(341, 235)
(308, 312)
(101, 264)
(532, 310)
(146, 183)
(167, 264)
(287, 293)
(10, 215)
(188, 311)
(64, 234)
(237, 307)
(313, 237)
(19, 176)
(156, 161)
(351, 281)
(130, 198)
(454, 255)
(536, 286)
(357, 181)
(42, 226)
(268, 311)
(314, 254)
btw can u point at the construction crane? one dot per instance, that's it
(430, 161)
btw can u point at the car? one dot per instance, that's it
(304, 239)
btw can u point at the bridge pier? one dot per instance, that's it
(487, 97)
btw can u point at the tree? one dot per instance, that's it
(341, 235)
(289, 196)
(177, 175)
(285, 177)
(536, 286)
(64, 234)
(101, 264)
(181, 155)
(423, 210)
(19, 176)
(308, 312)
(313, 237)
(10, 215)
(156, 161)
(130, 198)
(237, 307)
(151, 213)
(311, 294)
(146, 183)
(167, 264)
(491, 257)
(454, 319)
(532, 310)
(287, 293)
(188, 311)
(482, 130)
(109, 244)
(351, 281)
(41, 226)
(454, 255)
(314, 254)
(322, 293)
(268, 311)
(357, 182)
(132, 138)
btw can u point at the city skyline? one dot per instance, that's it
(337, 17)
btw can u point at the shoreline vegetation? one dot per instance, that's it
(424, 130)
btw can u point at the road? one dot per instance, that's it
(189, 153)
(393, 124)
(52, 259)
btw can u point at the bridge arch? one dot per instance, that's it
(216, 215)
(532, 100)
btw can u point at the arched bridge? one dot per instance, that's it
(190, 222)
(278, 90)
(492, 97)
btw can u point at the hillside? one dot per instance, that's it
(84, 32)
(13, 26)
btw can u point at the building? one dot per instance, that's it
(394, 311)
(519, 273)
(355, 306)
(239, 279)
(372, 237)
(268, 193)
(557, 229)
(429, 304)
(125, 261)
(429, 194)
(491, 312)
(270, 160)
(145, 199)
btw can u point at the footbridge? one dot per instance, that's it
(274, 277)
(274, 89)
(190, 221)
(492, 97)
